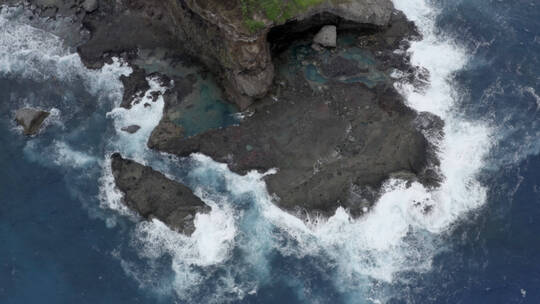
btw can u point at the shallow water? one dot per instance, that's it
(66, 237)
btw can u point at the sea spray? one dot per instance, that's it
(228, 252)
(27, 52)
(398, 235)
(144, 113)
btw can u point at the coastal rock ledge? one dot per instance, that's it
(30, 119)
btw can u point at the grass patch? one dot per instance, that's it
(275, 10)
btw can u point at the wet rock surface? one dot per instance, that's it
(131, 129)
(152, 195)
(30, 119)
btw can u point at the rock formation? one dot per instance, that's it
(333, 126)
(152, 195)
(30, 119)
(330, 121)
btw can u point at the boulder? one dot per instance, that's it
(131, 129)
(90, 5)
(232, 38)
(152, 195)
(327, 36)
(30, 119)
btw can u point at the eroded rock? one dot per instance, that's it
(30, 119)
(152, 195)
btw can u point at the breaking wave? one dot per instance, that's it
(33, 53)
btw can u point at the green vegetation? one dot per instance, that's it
(275, 10)
(254, 25)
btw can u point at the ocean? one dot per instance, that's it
(65, 236)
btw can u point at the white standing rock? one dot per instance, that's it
(327, 36)
(90, 5)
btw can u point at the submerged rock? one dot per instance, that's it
(131, 129)
(327, 36)
(30, 119)
(153, 195)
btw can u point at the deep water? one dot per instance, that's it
(64, 237)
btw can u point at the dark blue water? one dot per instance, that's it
(60, 244)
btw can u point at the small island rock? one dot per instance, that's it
(30, 119)
(152, 195)
(131, 129)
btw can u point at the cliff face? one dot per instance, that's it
(236, 33)
(229, 37)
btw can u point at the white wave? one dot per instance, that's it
(192, 256)
(398, 235)
(109, 196)
(395, 236)
(58, 153)
(67, 156)
(144, 113)
(32, 53)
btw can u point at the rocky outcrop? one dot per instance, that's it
(30, 119)
(131, 129)
(152, 195)
(332, 125)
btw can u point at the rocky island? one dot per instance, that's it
(155, 196)
(30, 119)
(312, 78)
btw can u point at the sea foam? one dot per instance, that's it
(397, 235)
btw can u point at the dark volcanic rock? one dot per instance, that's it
(135, 86)
(30, 119)
(153, 195)
(333, 141)
(131, 129)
